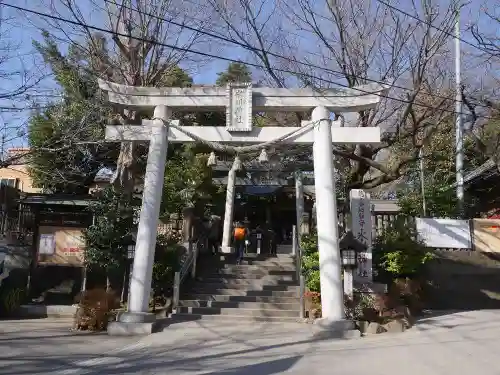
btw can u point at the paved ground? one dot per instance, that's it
(461, 343)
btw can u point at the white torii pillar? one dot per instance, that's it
(229, 209)
(240, 101)
(149, 217)
(299, 203)
(332, 295)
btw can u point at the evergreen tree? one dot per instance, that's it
(108, 238)
(439, 175)
(236, 72)
(67, 138)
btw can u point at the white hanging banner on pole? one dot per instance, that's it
(444, 233)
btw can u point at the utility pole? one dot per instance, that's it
(422, 180)
(459, 137)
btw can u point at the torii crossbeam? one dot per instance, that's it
(240, 102)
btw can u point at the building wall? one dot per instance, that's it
(16, 174)
(19, 173)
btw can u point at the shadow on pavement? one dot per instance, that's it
(265, 368)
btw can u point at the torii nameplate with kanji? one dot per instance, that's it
(239, 107)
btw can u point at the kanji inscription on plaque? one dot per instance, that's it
(239, 110)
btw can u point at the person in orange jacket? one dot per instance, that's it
(241, 236)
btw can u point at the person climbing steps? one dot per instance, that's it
(241, 239)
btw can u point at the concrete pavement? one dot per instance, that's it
(42, 346)
(460, 343)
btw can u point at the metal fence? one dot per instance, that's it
(16, 223)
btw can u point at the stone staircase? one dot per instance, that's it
(261, 288)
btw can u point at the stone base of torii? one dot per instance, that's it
(241, 101)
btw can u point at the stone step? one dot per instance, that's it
(245, 292)
(284, 250)
(261, 267)
(237, 312)
(279, 257)
(256, 280)
(242, 305)
(242, 298)
(181, 317)
(245, 285)
(250, 260)
(246, 273)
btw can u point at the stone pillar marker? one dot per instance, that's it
(241, 101)
(361, 225)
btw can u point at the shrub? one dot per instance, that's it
(313, 304)
(398, 252)
(108, 238)
(360, 305)
(409, 293)
(167, 261)
(10, 300)
(309, 244)
(95, 308)
(310, 261)
(313, 281)
(315, 297)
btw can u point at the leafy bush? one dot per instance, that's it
(409, 293)
(10, 300)
(356, 307)
(95, 309)
(313, 304)
(313, 281)
(310, 261)
(398, 252)
(440, 202)
(167, 261)
(309, 244)
(108, 238)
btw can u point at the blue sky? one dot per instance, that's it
(20, 30)
(23, 29)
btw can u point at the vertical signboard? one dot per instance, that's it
(239, 109)
(361, 225)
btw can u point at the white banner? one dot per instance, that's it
(47, 244)
(445, 233)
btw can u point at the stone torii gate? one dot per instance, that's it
(240, 101)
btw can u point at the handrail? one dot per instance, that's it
(188, 267)
(302, 291)
(297, 251)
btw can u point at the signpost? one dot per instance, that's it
(361, 217)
